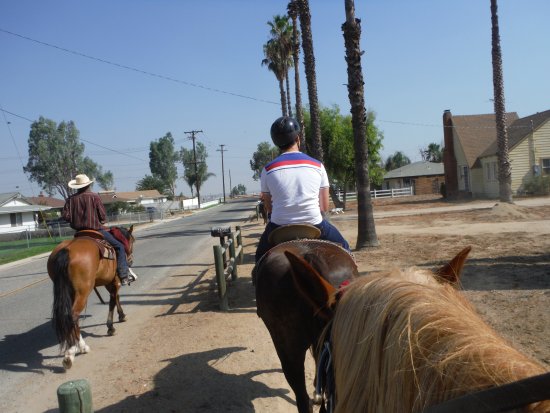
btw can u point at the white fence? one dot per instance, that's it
(382, 193)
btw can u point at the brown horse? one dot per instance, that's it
(403, 341)
(76, 267)
(292, 322)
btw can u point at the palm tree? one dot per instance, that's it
(315, 149)
(273, 62)
(281, 42)
(292, 9)
(432, 153)
(504, 169)
(366, 230)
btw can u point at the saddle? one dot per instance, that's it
(106, 250)
(293, 232)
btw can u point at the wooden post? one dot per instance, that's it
(75, 397)
(220, 277)
(232, 255)
(240, 242)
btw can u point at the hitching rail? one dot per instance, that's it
(226, 267)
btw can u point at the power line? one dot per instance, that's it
(82, 139)
(122, 66)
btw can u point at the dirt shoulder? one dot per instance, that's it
(184, 355)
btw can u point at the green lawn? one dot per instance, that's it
(17, 250)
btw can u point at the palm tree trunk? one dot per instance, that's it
(293, 13)
(316, 148)
(288, 93)
(504, 169)
(283, 97)
(366, 230)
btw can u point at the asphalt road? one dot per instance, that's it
(28, 346)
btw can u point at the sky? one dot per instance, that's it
(127, 72)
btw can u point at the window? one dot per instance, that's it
(16, 219)
(546, 166)
(491, 171)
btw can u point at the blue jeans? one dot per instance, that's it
(328, 232)
(122, 264)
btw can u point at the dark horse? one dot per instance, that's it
(293, 324)
(76, 267)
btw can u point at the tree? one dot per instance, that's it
(504, 168)
(263, 155)
(278, 53)
(366, 230)
(315, 145)
(338, 146)
(56, 156)
(150, 182)
(281, 35)
(162, 162)
(188, 159)
(292, 9)
(397, 160)
(432, 153)
(238, 190)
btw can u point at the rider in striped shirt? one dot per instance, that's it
(295, 187)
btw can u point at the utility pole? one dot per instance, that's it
(230, 187)
(192, 133)
(223, 173)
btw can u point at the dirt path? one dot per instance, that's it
(186, 356)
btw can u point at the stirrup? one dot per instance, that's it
(132, 276)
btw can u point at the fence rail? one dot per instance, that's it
(232, 242)
(381, 193)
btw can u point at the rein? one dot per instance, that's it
(324, 378)
(499, 399)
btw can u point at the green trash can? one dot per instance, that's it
(75, 397)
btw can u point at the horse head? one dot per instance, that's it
(323, 297)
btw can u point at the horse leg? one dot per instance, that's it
(292, 354)
(114, 300)
(80, 345)
(293, 368)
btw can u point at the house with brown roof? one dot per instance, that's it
(424, 177)
(470, 153)
(18, 214)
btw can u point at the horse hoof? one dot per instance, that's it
(67, 363)
(85, 349)
(122, 318)
(111, 332)
(317, 399)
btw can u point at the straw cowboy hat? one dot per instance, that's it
(80, 182)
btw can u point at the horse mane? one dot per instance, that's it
(403, 341)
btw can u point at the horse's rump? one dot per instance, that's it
(402, 345)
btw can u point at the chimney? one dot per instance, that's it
(449, 158)
(41, 194)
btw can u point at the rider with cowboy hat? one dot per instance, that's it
(295, 187)
(84, 210)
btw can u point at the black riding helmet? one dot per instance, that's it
(284, 131)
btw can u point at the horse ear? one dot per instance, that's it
(310, 284)
(131, 229)
(452, 271)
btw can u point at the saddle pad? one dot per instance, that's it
(106, 250)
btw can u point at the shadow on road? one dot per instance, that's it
(193, 383)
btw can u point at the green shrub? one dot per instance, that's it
(538, 185)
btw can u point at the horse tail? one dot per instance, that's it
(63, 297)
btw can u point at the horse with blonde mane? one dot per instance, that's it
(408, 340)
